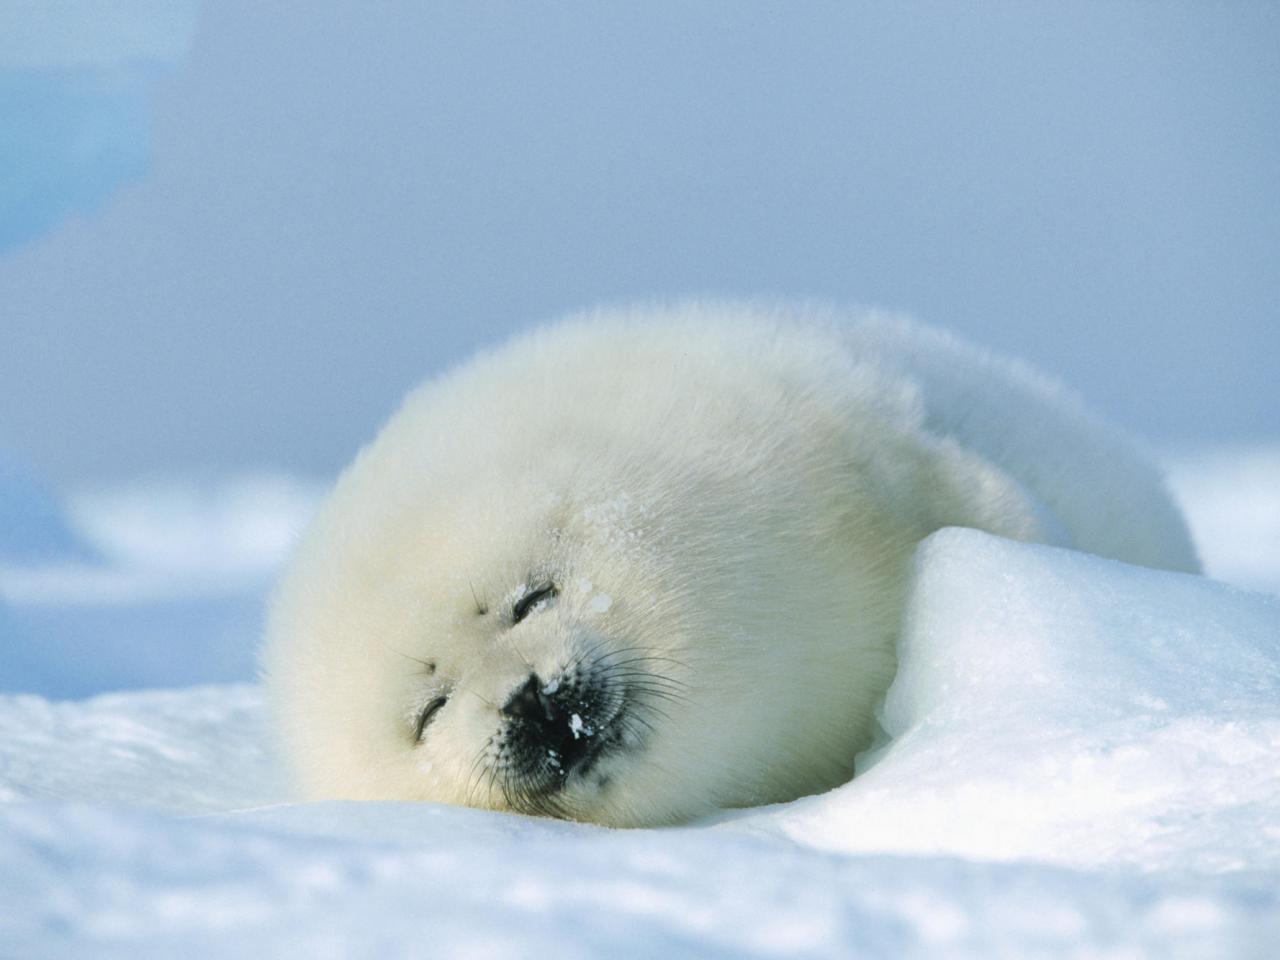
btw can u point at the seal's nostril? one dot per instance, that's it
(529, 702)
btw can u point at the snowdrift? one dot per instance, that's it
(1059, 707)
(1081, 758)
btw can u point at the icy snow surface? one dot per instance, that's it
(1086, 761)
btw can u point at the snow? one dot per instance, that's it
(189, 751)
(1081, 759)
(453, 883)
(1078, 711)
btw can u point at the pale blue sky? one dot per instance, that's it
(343, 198)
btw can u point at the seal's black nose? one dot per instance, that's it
(530, 704)
(551, 729)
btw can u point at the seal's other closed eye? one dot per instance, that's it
(530, 601)
(427, 715)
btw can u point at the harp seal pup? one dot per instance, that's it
(648, 563)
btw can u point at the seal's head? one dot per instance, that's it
(619, 572)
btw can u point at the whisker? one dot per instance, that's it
(476, 774)
(623, 663)
(657, 693)
(659, 711)
(481, 698)
(429, 666)
(482, 606)
(656, 679)
(636, 718)
(519, 653)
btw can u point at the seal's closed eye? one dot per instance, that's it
(530, 600)
(428, 712)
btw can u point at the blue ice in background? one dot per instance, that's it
(75, 81)
(69, 141)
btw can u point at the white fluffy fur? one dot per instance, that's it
(734, 490)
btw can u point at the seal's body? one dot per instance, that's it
(643, 565)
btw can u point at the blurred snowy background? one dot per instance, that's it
(232, 236)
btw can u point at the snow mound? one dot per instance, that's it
(1054, 706)
(1085, 761)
